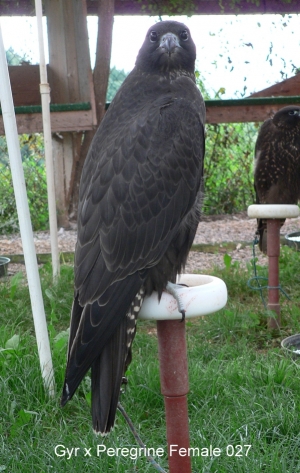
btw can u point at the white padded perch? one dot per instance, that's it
(273, 211)
(204, 295)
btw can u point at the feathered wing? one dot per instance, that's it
(263, 149)
(274, 174)
(139, 182)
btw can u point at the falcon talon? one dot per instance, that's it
(172, 289)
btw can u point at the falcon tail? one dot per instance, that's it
(109, 368)
(262, 232)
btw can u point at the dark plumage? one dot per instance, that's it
(277, 163)
(139, 208)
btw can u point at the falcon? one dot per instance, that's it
(277, 163)
(139, 208)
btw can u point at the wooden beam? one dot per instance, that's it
(60, 122)
(25, 82)
(69, 71)
(70, 76)
(241, 113)
(17, 8)
(81, 120)
(245, 112)
(289, 86)
(63, 161)
(201, 7)
(152, 7)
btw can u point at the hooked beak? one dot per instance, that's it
(169, 42)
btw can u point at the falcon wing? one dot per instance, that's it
(139, 183)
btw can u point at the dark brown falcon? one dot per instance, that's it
(277, 163)
(140, 196)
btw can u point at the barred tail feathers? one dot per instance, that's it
(109, 368)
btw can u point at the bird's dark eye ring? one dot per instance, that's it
(184, 35)
(153, 36)
(293, 112)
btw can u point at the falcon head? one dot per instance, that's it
(168, 47)
(287, 117)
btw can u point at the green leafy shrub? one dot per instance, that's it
(228, 167)
(32, 152)
(228, 163)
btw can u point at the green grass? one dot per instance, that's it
(243, 389)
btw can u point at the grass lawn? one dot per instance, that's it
(244, 390)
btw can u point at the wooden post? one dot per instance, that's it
(70, 76)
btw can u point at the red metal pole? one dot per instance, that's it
(174, 387)
(273, 252)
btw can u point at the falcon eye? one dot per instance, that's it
(153, 36)
(293, 112)
(184, 35)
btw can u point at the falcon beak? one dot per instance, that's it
(169, 42)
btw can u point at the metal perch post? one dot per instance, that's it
(174, 387)
(273, 252)
(205, 295)
(273, 214)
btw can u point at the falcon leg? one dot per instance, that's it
(172, 289)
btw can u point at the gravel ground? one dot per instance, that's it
(212, 230)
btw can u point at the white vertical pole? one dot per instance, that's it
(45, 96)
(36, 298)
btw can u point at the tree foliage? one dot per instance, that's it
(228, 163)
(32, 152)
(116, 78)
(14, 59)
(228, 168)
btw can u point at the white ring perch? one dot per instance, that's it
(273, 211)
(205, 295)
